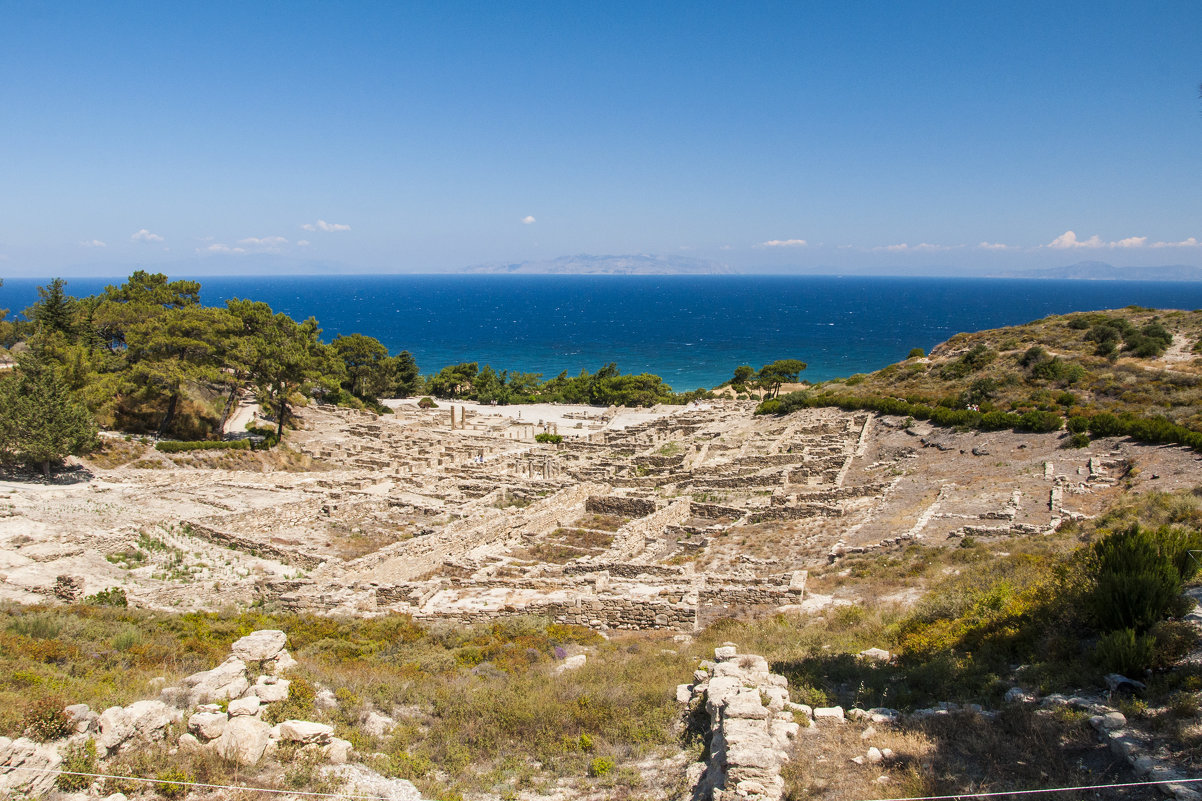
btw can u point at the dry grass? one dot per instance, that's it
(116, 452)
(1020, 749)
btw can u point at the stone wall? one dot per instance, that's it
(619, 505)
(254, 547)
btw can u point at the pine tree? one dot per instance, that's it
(40, 422)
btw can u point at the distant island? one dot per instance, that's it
(587, 264)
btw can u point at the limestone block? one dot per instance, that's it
(114, 729)
(243, 740)
(829, 713)
(227, 680)
(259, 646)
(81, 716)
(746, 705)
(282, 662)
(150, 719)
(684, 693)
(270, 690)
(244, 706)
(874, 755)
(725, 652)
(305, 731)
(189, 742)
(39, 760)
(363, 781)
(338, 751)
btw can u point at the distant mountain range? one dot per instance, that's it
(1101, 271)
(585, 264)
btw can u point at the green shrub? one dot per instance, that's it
(298, 705)
(1124, 651)
(601, 766)
(772, 406)
(175, 783)
(916, 353)
(113, 596)
(1136, 584)
(427, 403)
(553, 439)
(1078, 424)
(1076, 441)
(179, 446)
(78, 758)
(45, 720)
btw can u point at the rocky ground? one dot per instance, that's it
(666, 520)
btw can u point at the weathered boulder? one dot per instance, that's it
(141, 721)
(81, 716)
(305, 731)
(571, 663)
(377, 725)
(244, 740)
(259, 646)
(208, 725)
(227, 680)
(150, 719)
(114, 728)
(338, 751)
(361, 780)
(325, 700)
(281, 663)
(38, 763)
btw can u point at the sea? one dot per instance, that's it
(691, 330)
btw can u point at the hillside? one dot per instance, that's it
(1128, 365)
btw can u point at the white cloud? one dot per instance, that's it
(264, 242)
(304, 243)
(145, 236)
(725, 247)
(921, 247)
(783, 243)
(93, 243)
(528, 220)
(1068, 241)
(322, 225)
(993, 246)
(218, 247)
(1191, 242)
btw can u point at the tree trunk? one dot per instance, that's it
(283, 408)
(169, 416)
(46, 469)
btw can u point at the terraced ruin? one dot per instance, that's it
(668, 519)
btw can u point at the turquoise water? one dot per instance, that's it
(691, 330)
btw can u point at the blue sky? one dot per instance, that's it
(225, 137)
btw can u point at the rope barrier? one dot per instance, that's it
(362, 797)
(190, 784)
